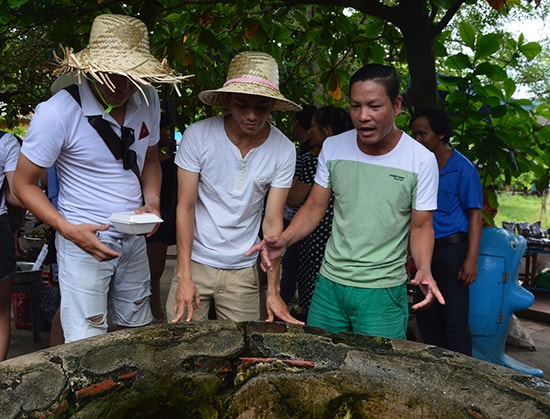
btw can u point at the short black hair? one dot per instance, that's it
(380, 73)
(439, 120)
(336, 118)
(304, 116)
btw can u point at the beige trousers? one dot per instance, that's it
(234, 293)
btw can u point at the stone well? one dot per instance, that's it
(261, 370)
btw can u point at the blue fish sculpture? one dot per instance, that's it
(496, 295)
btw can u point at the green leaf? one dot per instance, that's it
(283, 35)
(440, 48)
(509, 88)
(543, 110)
(530, 49)
(377, 52)
(493, 91)
(486, 46)
(362, 51)
(458, 61)
(492, 71)
(467, 34)
(373, 27)
(173, 17)
(498, 111)
(544, 133)
(345, 25)
(83, 30)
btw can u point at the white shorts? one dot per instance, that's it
(91, 289)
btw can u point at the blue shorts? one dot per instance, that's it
(371, 311)
(7, 250)
(91, 289)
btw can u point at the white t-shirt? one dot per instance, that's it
(231, 190)
(9, 153)
(92, 183)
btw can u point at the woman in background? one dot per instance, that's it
(326, 122)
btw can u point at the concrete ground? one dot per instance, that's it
(536, 321)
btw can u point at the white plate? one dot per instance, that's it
(132, 223)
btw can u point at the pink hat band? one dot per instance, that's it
(251, 79)
(250, 73)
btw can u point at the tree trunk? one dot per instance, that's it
(419, 38)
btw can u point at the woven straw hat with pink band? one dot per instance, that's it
(251, 73)
(118, 44)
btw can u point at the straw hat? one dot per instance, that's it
(251, 73)
(118, 44)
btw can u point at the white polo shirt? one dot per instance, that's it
(92, 183)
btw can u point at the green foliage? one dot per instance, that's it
(468, 34)
(19, 132)
(530, 49)
(317, 47)
(499, 133)
(520, 208)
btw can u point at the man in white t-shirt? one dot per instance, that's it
(101, 270)
(9, 152)
(226, 167)
(385, 190)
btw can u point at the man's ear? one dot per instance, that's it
(397, 105)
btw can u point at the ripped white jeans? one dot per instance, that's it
(91, 290)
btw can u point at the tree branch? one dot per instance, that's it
(451, 12)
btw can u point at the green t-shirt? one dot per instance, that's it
(373, 200)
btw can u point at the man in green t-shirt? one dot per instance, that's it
(385, 191)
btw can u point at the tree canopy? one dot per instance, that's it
(318, 45)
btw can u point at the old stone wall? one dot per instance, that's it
(260, 370)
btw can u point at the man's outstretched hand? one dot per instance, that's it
(428, 286)
(270, 248)
(277, 309)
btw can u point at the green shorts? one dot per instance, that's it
(372, 311)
